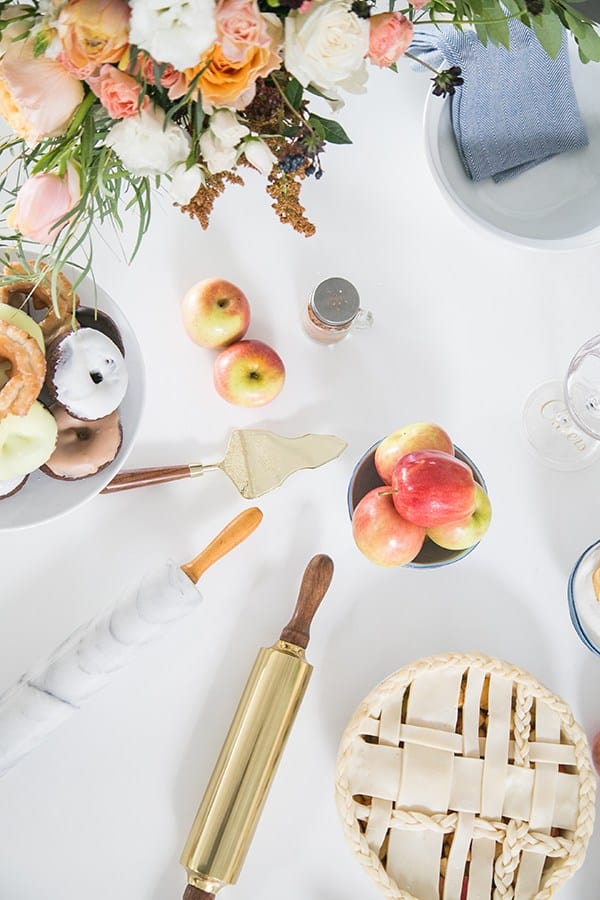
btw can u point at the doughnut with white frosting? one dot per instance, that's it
(86, 374)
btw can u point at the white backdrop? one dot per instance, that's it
(464, 327)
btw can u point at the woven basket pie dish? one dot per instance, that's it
(463, 778)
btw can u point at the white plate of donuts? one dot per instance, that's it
(71, 396)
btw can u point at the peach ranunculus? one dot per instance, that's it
(119, 93)
(42, 201)
(144, 67)
(390, 35)
(232, 84)
(91, 33)
(37, 96)
(240, 25)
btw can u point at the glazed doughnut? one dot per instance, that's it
(88, 317)
(26, 442)
(86, 374)
(58, 320)
(83, 448)
(12, 486)
(28, 368)
(20, 318)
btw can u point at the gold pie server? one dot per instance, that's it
(255, 461)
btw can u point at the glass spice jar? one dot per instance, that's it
(333, 310)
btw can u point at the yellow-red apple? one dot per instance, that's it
(381, 534)
(216, 313)
(432, 488)
(463, 534)
(249, 373)
(418, 436)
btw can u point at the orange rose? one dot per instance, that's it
(92, 32)
(227, 83)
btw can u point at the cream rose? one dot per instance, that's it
(326, 47)
(146, 146)
(177, 32)
(219, 157)
(225, 126)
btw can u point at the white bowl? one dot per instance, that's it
(44, 498)
(554, 206)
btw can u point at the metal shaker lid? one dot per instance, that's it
(335, 301)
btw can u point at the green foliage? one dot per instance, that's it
(328, 130)
(549, 32)
(294, 92)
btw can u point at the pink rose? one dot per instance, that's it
(240, 25)
(119, 93)
(390, 35)
(418, 4)
(37, 96)
(42, 202)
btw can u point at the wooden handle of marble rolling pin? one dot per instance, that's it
(316, 580)
(233, 534)
(133, 478)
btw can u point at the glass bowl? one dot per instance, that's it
(365, 478)
(587, 562)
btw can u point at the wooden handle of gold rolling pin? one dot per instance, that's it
(133, 478)
(316, 580)
(232, 535)
(194, 893)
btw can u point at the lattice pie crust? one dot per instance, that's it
(462, 778)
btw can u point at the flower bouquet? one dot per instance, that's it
(107, 99)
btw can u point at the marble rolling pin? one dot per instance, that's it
(85, 662)
(224, 826)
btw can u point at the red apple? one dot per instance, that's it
(216, 313)
(466, 532)
(248, 373)
(433, 488)
(419, 436)
(381, 534)
(596, 752)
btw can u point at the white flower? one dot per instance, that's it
(146, 146)
(326, 47)
(218, 156)
(225, 126)
(185, 183)
(176, 32)
(258, 154)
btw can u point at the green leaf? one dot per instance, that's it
(331, 131)
(481, 33)
(496, 23)
(586, 36)
(41, 42)
(293, 92)
(313, 90)
(393, 67)
(549, 32)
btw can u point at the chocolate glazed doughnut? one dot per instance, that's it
(83, 448)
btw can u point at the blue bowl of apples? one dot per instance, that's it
(417, 500)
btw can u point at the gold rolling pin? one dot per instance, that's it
(225, 823)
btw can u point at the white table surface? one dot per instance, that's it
(465, 326)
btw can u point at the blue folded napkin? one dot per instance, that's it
(516, 107)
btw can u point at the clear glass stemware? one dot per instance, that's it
(562, 419)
